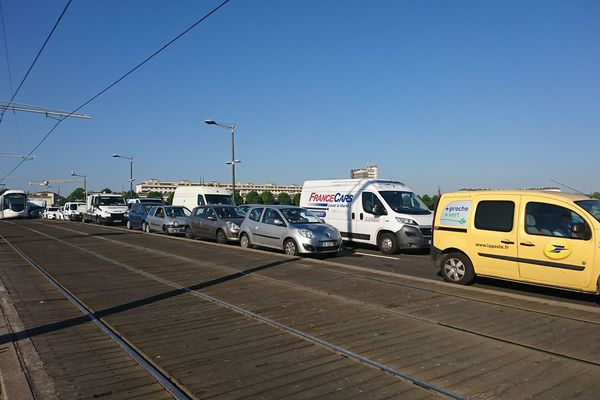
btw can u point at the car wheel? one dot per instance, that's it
(387, 243)
(188, 232)
(245, 241)
(457, 268)
(128, 224)
(164, 230)
(290, 247)
(146, 227)
(221, 237)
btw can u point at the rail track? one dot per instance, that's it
(441, 339)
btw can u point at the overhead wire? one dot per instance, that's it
(10, 81)
(114, 83)
(36, 57)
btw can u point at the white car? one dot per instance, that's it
(52, 213)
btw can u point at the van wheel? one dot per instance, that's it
(98, 219)
(221, 237)
(457, 268)
(387, 243)
(245, 241)
(290, 247)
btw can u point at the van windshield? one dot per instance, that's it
(219, 199)
(404, 202)
(111, 201)
(591, 206)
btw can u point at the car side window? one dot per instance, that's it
(208, 213)
(550, 220)
(270, 216)
(200, 200)
(160, 213)
(199, 212)
(371, 203)
(495, 215)
(255, 214)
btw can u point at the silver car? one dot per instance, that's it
(220, 222)
(295, 230)
(170, 220)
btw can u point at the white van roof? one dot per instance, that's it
(201, 190)
(357, 184)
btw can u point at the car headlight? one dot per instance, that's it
(406, 221)
(232, 227)
(337, 234)
(306, 233)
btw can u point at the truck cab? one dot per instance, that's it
(105, 208)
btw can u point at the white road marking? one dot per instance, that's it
(377, 255)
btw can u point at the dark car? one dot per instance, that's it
(219, 222)
(139, 212)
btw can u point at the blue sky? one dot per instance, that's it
(436, 93)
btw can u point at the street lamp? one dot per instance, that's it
(233, 160)
(130, 171)
(84, 182)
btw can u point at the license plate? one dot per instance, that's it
(328, 244)
(117, 220)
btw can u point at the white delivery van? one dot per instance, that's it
(72, 211)
(384, 213)
(103, 208)
(194, 196)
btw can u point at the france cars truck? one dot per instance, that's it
(105, 208)
(385, 213)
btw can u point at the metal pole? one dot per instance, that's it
(131, 176)
(233, 162)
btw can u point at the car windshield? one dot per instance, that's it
(219, 199)
(299, 216)
(111, 201)
(173, 212)
(229, 212)
(404, 202)
(591, 206)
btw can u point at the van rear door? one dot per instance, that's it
(493, 235)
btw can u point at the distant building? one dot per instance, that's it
(155, 185)
(368, 172)
(50, 198)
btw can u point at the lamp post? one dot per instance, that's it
(233, 160)
(130, 171)
(84, 182)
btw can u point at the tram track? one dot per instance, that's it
(325, 294)
(257, 275)
(168, 381)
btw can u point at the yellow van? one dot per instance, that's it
(539, 237)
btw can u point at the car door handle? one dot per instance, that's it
(507, 242)
(528, 244)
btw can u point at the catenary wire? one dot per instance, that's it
(107, 88)
(10, 81)
(36, 58)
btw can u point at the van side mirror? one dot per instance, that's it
(379, 210)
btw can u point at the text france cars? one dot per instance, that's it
(216, 222)
(293, 229)
(170, 220)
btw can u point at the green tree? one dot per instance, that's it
(434, 202)
(130, 195)
(267, 197)
(596, 195)
(284, 199)
(3, 190)
(253, 198)
(106, 190)
(239, 200)
(155, 195)
(77, 195)
(427, 200)
(296, 200)
(170, 198)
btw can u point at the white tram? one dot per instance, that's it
(13, 204)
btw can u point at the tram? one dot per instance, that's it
(13, 204)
